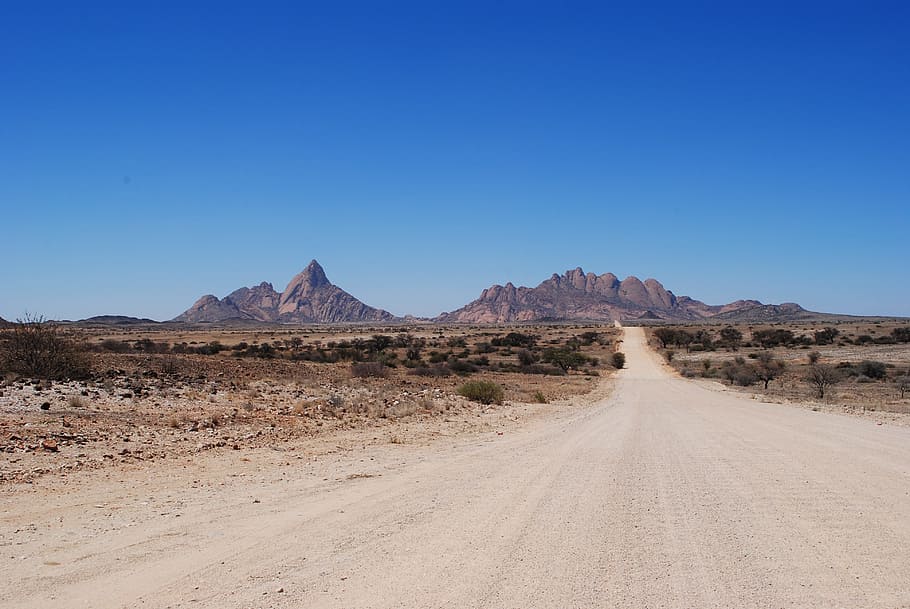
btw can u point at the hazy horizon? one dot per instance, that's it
(422, 153)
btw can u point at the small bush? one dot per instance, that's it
(525, 357)
(37, 348)
(540, 398)
(618, 360)
(485, 392)
(115, 346)
(873, 370)
(462, 367)
(437, 370)
(542, 369)
(369, 369)
(745, 377)
(77, 402)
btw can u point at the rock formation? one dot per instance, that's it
(576, 295)
(309, 298)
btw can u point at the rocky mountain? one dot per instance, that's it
(577, 295)
(309, 298)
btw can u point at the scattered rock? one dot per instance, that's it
(49, 445)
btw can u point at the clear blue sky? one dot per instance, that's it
(153, 152)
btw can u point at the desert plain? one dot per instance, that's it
(348, 467)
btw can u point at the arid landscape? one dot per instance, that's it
(454, 305)
(621, 447)
(149, 394)
(230, 481)
(859, 367)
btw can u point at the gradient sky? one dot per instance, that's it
(154, 152)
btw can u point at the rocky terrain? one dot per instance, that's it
(577, 295)
(309, 298)
(170, 390)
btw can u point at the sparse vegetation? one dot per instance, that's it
(867, 357)
(872, 370)
(369, 369)
(767, 368)
(260, 385)
(823, 377)
(485, 392)
(37, 348)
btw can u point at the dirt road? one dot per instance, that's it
(664, 495)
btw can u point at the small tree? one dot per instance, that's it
(823, 377)
(666, 336)
(813, 357)
(731, 338)
(381, 342)
(826, 336)
(768, 368)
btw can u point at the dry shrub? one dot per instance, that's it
(37, 348)
(404, 409)
(369, 369)
(485, 392)
(77, 402)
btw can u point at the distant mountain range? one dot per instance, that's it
(577, 295)
(311, 298)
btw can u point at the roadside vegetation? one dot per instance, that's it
(94, 395)
(860, 365)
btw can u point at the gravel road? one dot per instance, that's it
(665, 494)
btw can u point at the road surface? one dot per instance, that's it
(666, 494)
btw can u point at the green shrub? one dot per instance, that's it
(873, 370)
(619, 360)
(564, 358)
(485, 392)
(515, 339)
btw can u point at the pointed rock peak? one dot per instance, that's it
(313, 275)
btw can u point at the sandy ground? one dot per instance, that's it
(662, 495)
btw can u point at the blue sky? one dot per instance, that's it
(153, 152)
